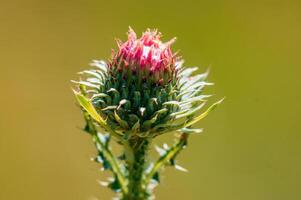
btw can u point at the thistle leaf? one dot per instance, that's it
(180, 168)
(91, 73)
(125, 102)
(154, 100)
(104, 139)
(188, 71)
(176, 103)
(87, 105)
(190, 130)
(195, 99)
(109, 108)
(121, 122)
(105, 163)
(195, 85)
(114, 185)
(203, 115)
(95, 81)
(101, 95)
(148, 123)
(160, 112)
(86, 83)
(113, 90)
(190, 112)
(178, 113)
(101, 65)
(160, 151)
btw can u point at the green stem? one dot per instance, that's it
(136, 158)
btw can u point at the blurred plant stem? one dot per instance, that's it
(136, 154)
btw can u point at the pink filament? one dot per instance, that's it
(148, 51)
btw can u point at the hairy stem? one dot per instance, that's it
(136, 158)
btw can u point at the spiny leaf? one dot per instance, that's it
(168, 157)
(100, 65)
(195, 85)
(114, 184)
(148, 123)
(101, 95)
(104, 139)
(195, 99)
(113, 90)
(88, 84)
(189, 93)
(176, 103)
(154, 100)
(203, 115)
(124, 102)
(105, 163)
(87, 105)
(160, 151)
(99, 101)
(92, 73)
(135, 129)
(104, 183)
(180, 168)
(89, 108)
(94, 81)
(190, 112)
(160, 112)
(121, 122)
(188, 71)
(190, 130)
(179, 112)
(196, 78)
(109, 108)
(165, 146)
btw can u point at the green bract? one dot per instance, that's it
(145, 109)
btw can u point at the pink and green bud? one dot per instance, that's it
(141, 93)
(144, 88)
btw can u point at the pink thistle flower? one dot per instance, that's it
(147, 56)
(141, 93)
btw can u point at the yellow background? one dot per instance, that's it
(250, 149)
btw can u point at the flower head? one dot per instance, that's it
(143, 90)
(147, 56)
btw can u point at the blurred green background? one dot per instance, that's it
(251, 145)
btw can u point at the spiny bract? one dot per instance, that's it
(144, 90)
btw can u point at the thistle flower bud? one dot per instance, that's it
(144, 91)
